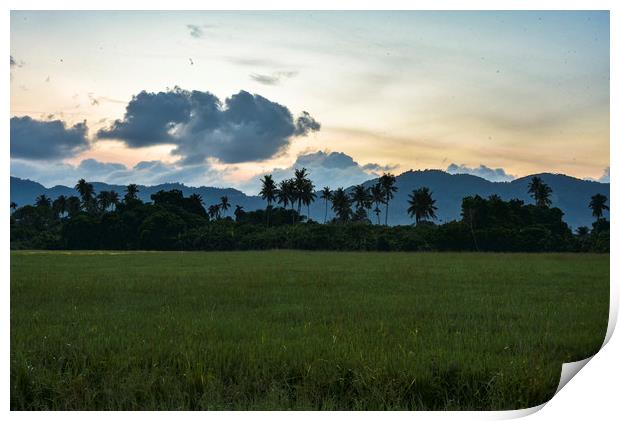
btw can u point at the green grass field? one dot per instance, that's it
(300, 330)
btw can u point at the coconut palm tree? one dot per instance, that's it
(341, 205)
(299, 184)
(378, 197)
(362, 199)
(387, 182)
(85, 190)
(421, 205)
(541, 192)
(60, 205)
(214, 211)
(268, 192)
(73, 206)
(103, 200)
(224, 204)
(598, 204)
(131, 192)
(326, 195)
(43, 201)
(114, 199)
(238, 212)
(285, 193)
(308, 195)
(13, 206)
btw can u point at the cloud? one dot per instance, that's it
(38, 139)
(146, 173)
(244, 128)
(196, 31)
(333, 169)
(605, 177)
(149, 118)
(272, 79)
(491, 174)
(13, 62)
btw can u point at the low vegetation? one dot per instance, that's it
(299, 330)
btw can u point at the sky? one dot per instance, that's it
(221, 98)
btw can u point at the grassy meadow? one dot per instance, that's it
(299, 330)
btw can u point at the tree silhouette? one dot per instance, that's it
(285, 193)
(73, 206)
(300, 182)
(268, 192)
(582, 232)
(13, 206)
(214, 211)
(131, 192)
(86, 192)
(363, 200)
(239, 212)
(307, 194)
(224, 204)
(341, 205)
(104, 200)
(378, 197)
(326, 195)
(60, 205)
(43, 201)
(598, 204)
(421, 205)
(387, 182)
(113, 198)
(541, 192)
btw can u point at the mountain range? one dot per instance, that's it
(570, 194)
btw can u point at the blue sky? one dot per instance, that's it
(523, 92)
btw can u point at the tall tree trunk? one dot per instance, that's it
(325, 219)
(387, 205)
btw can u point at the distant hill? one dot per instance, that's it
(570, 194)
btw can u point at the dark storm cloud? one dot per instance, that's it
(244, 128)
(149, 118)
(491, 174)
(37, 139)
(306, 124)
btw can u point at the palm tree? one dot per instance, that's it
(214, 211)
(13, 206)
(598, 204)
(341, 204)
(103, 200)
(308, 195)
(540, 191)
(73, 206)
(224, 204)
(60, 205)
(85, 190)
(268, 192)
(114, 199)
(376, 192)
(285, 193)
(421, 205)
(362, 199)
(388, 182)
(131, 192)
(299, 184)
(43, 201)
(238, 212)
(326, 195)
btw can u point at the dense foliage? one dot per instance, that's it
(174, 222)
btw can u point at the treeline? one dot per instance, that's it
(174, 222)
